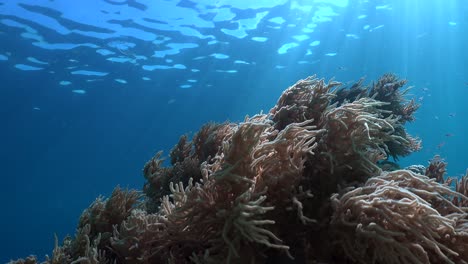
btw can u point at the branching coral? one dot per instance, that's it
(436, 169)
(387, 90)
(130, 240)
(227, 208)
(401, 217)
(461, 186)
(102, 215)
(308, 99)
(305, 183)
(186, 158)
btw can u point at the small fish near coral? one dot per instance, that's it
(314, 180)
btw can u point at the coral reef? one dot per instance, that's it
(401, 217)
(315, 180)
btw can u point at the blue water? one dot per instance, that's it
(91, 89)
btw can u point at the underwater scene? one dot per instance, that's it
(233, 131)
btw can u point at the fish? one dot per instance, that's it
(440, 145)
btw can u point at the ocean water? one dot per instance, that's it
(92, 89)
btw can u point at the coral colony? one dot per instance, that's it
(311, 181)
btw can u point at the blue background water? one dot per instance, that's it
(160, 69)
